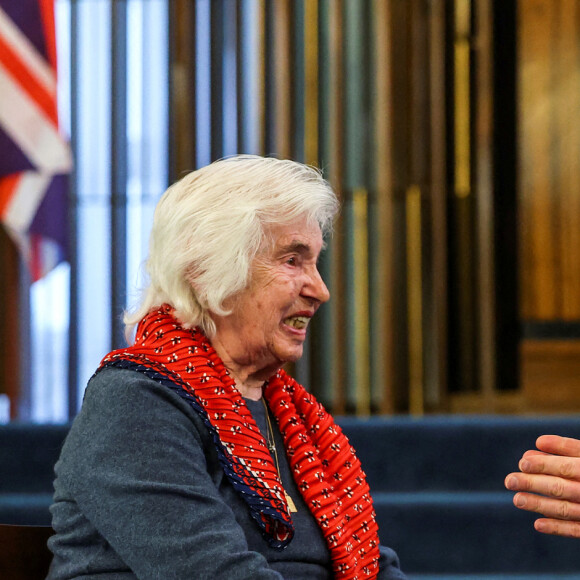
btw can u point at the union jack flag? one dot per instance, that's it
(34, 156)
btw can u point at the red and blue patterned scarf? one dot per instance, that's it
(323, 463)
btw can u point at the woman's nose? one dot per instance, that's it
(316, 288)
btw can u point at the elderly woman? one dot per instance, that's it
(195, 455)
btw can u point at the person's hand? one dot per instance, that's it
(549, 484)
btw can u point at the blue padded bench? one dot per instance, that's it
(437, 484)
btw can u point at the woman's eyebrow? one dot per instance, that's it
(296, 246)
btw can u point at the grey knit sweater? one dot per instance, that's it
(140, 493)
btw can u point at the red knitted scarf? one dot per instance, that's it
(323, 463)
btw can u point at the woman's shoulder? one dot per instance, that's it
(126, 416)
(133, 389)
(126, 400)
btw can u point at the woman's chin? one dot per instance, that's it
(291, 355)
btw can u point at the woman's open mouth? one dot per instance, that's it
(297, 322)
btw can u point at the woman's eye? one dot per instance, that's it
(291, 261)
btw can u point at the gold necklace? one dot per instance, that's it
(272, 448)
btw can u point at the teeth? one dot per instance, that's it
(297, 322)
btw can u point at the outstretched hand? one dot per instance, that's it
(549, 484)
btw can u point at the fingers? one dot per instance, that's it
(558, 527)
(551, 508)
(560, 466)
(568, 468)
(546, 485)
(559, 445)
(534, 452)
(549, 484)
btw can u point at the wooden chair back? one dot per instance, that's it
(24, 554)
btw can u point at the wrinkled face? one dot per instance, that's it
(270, 318)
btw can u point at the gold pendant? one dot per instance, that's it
(291, 505)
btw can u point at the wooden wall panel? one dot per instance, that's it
(358, 88)
(568, 138)
(537, 257)
(550, 376)
(549, 197)
(549, 158)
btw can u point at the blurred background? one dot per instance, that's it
(449, 129)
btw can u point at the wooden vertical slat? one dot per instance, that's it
(355, 214)
(325, 374)
(483, 183)
(311, 104)
(336, 136)
(336, 132)
(417, 191)
(463, 311)
(354, 95)
(311, 36)
(297, 104)
(415, 300)
(418, 78)
(282, 77)
(537, 250)
(400, 86)
(436, 351)
(347, 222)
(549, 204)
(567, 40)
(462, 98)
(299, 50)
(349, 303)
(360, 270)
(382, 263)
(182, 70)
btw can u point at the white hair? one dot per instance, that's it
(209, 226)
